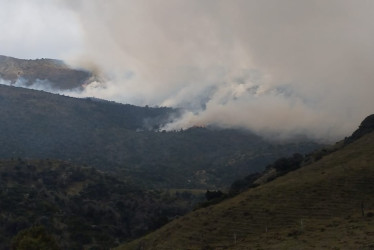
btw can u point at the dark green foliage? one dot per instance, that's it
(77, 206)
(121, 139)
(285, 165)
(241, 185)
(34, 238)
(281, 166)
(210, 195)
(366, 127)
(313, 207)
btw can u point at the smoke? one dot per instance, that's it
(38, 28)
(279, 68)
(40, 84)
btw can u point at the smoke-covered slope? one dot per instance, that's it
(49, 73)
(116, 137)
(325, 205)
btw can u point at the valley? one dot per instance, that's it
(86, 173)
(128, 141)
(327, 204)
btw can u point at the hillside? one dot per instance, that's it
(328, 204)
(78, 206)
(53, 74)
(126, 140)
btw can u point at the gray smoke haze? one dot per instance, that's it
(279, 68)
(276, 67)
(38, 28)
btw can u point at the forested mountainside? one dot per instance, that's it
(54, 74)
(326, 204)
(127, 140)
(78, 207)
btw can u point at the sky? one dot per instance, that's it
(279, 68)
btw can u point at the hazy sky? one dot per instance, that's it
(38, 28)
(277, 67)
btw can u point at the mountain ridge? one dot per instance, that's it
(51, 73)
(116, 137)
(327, 204)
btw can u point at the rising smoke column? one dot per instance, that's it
(279, 68)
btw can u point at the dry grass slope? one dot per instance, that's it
(316, 207)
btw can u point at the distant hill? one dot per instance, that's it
(125, 139)
(78, 206)
(366, 127)
(327, 204)
(54, 74)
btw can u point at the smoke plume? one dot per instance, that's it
(280, 68)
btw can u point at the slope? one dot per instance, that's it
(53, 74)
(326, 205)
(125, 139)
(79, 206)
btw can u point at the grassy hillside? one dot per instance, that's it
(326, 205)
(124, 139)
(58, 74)
(78, 206)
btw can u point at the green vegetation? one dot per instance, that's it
(327, 204)
(287, 164)
(34, 238)
(58, 74)
(320, 200)
(125, 140)
(78, 207)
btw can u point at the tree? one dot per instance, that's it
(210, 195)
(34, 238)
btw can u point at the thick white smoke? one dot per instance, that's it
(38, 29)
(279, 68)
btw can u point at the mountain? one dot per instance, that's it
(79, 207)
(52, 74)
(366, 126)
(327, 204)
(126, 140)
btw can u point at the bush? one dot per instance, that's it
(210, 195)
(34, 238)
